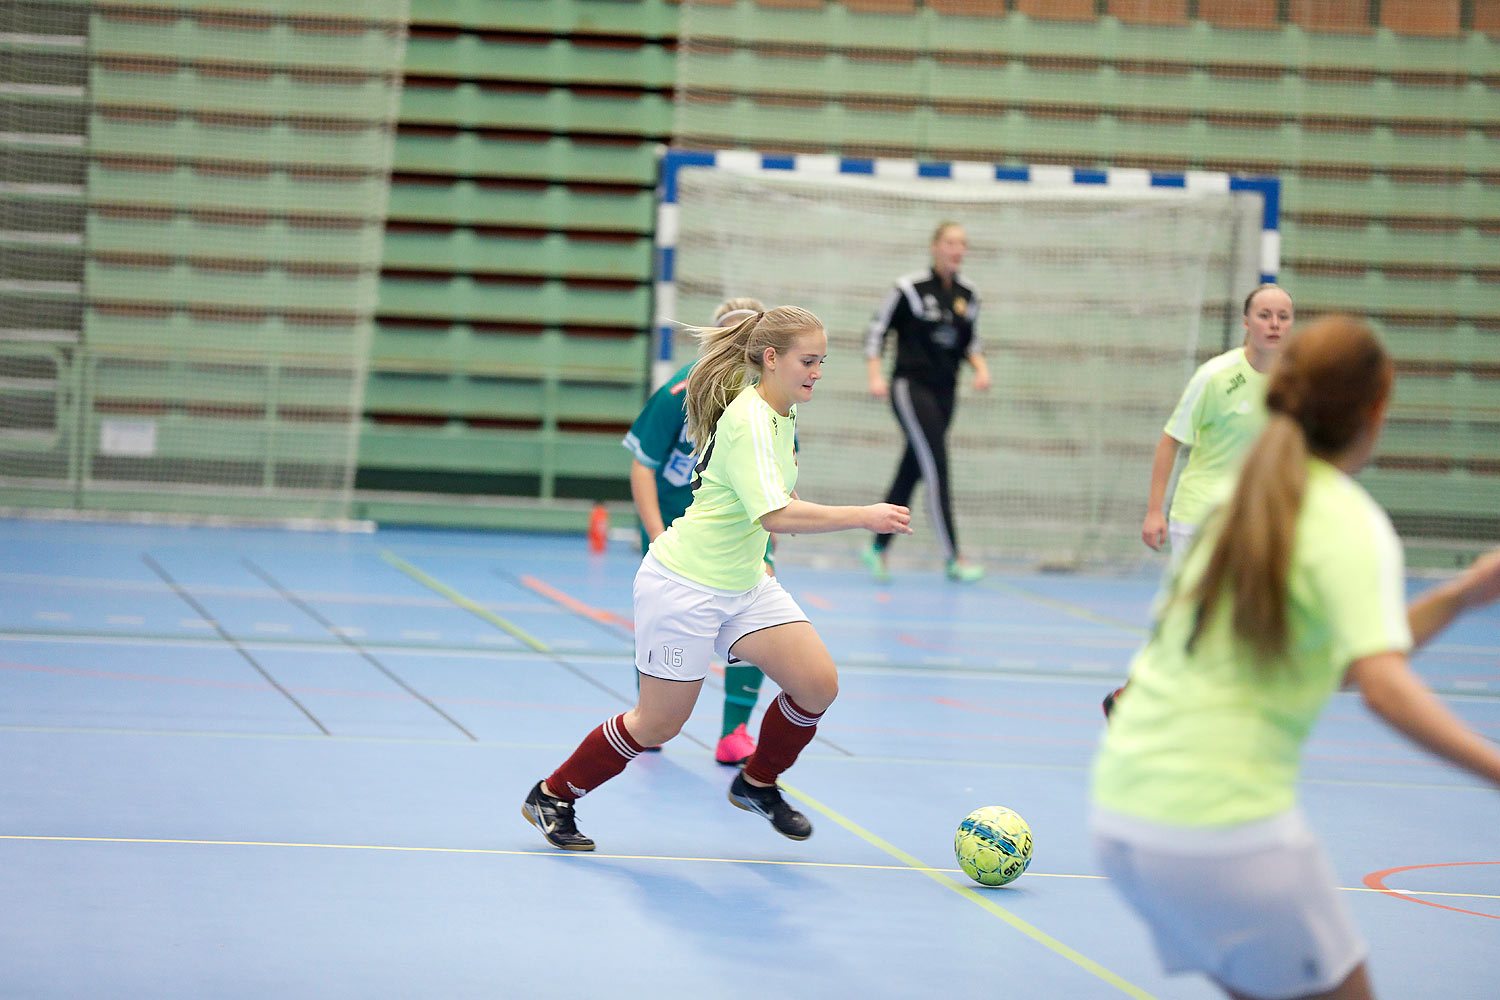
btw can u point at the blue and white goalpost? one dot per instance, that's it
(1100, 290)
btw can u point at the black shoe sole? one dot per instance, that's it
(562, 847)
(751, 809)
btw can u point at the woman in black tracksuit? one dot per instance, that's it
(933, 315)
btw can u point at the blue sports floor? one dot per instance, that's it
(260, 763)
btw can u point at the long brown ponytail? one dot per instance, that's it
(1324, 392)
(730, 356)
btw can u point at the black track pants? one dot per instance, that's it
(924, 414)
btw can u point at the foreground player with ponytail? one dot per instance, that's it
(702, 588)
(661, 484)
(1294, 589)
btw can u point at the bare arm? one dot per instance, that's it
(647, 504)
(876, 380)
(1434, 609)
(799, 517)
(1154, 529)
(1397, 695)
(981, 372)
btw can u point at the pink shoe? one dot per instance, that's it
(735, 748)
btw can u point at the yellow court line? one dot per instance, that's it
(462, 601)
(549, 853)
(912, 866)
(1419, 892)
(941, 877)
(1067, 607)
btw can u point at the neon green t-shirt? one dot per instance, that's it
(750, 469)
(1219, 415)
(1212, 738)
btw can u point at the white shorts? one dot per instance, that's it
(680, 625)
(1181, 536)
(1254, 906)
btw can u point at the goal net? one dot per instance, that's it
(1100, 292)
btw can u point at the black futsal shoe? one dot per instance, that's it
(554, 817)
(768, 802)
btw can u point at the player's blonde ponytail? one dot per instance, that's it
(1326, 389)
(730, 358)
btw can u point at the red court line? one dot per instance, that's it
(1376, 881)
(821, 603)
(576, 606)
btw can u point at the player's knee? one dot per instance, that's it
(818, 694)
(650, 729)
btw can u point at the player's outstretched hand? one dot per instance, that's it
(888, 519)
(1481, 581)
(1154, 530)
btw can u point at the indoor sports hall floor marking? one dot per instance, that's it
(462, 601)
(1067, 607)
(469, 604)
(942, 878)
(576, 606)
(601, 856)
(1376, 882)
(573, 855)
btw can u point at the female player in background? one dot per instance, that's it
(1221, 411)
(703, 588)
(933, 314)
(661, 484)
(1295, 589)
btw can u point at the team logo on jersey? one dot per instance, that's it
(930, 306)
(960, 306)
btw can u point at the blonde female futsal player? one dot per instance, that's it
(1221, 411)
(702, 588)
(661, 484)
(1293, 590)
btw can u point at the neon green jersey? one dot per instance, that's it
(750, 469)
(1211, 737)
(1219, 415)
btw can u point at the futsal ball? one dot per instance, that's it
(993, 845)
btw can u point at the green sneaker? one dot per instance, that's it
(964, 572)
(875, 562)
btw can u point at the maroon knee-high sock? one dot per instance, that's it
(602, 755)
(785, 730)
